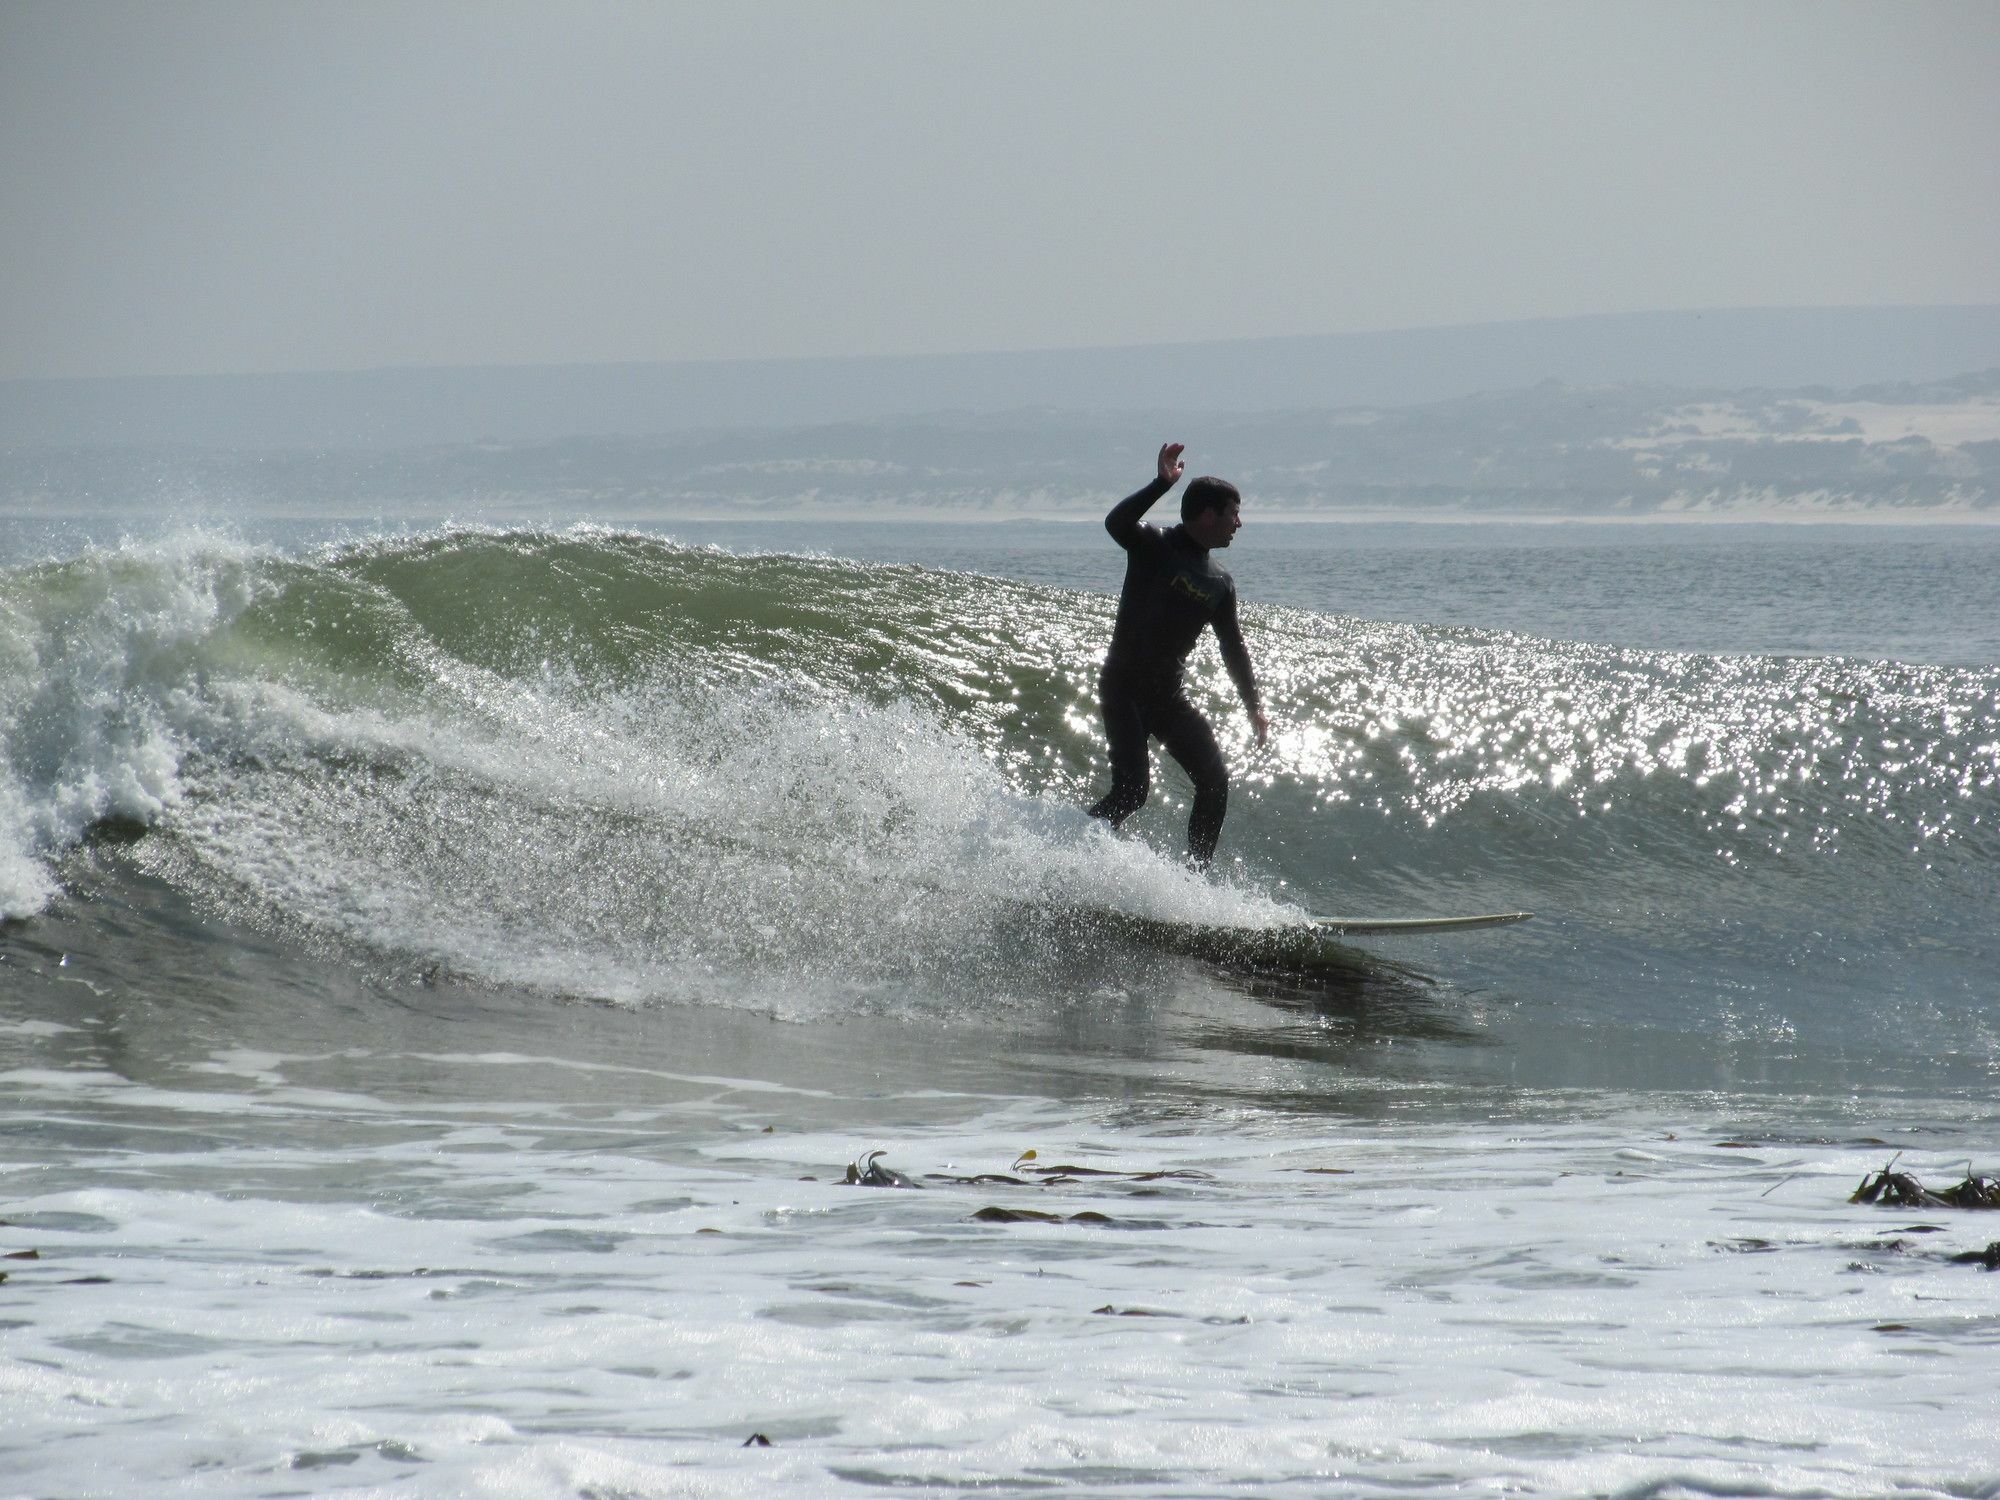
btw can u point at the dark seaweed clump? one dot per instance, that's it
(1893, 1189)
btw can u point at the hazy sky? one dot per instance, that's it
(202, 187)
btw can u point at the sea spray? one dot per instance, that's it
(100, 656)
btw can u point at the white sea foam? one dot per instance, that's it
(495, 1300)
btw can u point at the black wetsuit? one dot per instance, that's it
(1173, 588)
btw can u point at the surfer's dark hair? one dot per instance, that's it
(1207, 493)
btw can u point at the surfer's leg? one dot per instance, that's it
(1125, 730)
(1190, 740)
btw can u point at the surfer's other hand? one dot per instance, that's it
(1171, 467)
(1262, 725)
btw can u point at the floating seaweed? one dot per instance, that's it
(1109, 1311)
(1893, 1189)
(870, 1172)
(1034, 1174)
(1036, 1216)
(997, 1215)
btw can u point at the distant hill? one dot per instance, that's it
(1640, 450)
(1776, 348)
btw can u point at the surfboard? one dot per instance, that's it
(1368, 926)
(1312, 944)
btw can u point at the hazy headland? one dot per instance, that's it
(1775, 413)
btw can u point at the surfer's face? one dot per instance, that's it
(1214, 528)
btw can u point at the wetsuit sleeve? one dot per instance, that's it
(1235, 655)
(1123, 522)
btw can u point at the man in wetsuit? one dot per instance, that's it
(1173, 588)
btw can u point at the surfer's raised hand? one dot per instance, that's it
(1171, 467)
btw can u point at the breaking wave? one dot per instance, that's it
(605, 764)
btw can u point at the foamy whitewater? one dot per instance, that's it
(447, 977)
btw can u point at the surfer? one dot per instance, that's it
(1173, 589)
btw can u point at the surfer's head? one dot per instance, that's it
(1211, 510)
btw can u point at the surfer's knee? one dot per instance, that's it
(1127, 796)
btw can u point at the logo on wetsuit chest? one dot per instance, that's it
(1186, 585)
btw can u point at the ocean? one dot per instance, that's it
(450, 972)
